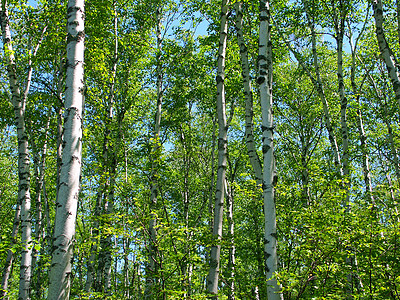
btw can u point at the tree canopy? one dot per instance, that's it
(229, 149)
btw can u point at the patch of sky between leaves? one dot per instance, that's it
(201, 28)
(32, 3)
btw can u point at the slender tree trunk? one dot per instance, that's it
(249, 127)
(152, 280)
(108, 240)
(393, 151)
(213, 274)
(255, 293)
(110, 150)
(305, 176)
(385, 49)
(364, 151)
(339, 28)
(386, 120)
(398, 20)
(68, 190)
(18, 101)
(10, 255)
(248, 94)
(231, 241)
(269, 171)
(320, 89)
(211, 188)
(126, 242)
(59, 108)
(93, 248)
(212, 176)
(185, 264)
(361, 131)
(103, 279)
(39, 171)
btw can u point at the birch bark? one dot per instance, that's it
(39, 172)
(23, 212)
(68, 189)
(248, 94)
(249, 126)
(213, 274)
(186, 266)
(385, 49)
(269, 171)
(212, 176)
(339, 29)
(231, 241)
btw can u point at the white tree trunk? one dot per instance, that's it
(249, 127)
(24, 199)
(385, 50)
(185, 263)
(10, 254)
(68, 189)
(394, 159)
(269, 171)
(343, 107)
(248, 94)
(231, 241)
(39, 172)
(213, 274)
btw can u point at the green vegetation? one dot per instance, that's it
(148, 183)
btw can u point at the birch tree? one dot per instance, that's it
(248, 94)
(249, 126)
(68, 189)
(23, 211)
(213, 274)
(269, 171)
(339, 16)
(385, 49)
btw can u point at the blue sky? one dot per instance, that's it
(32, 2)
